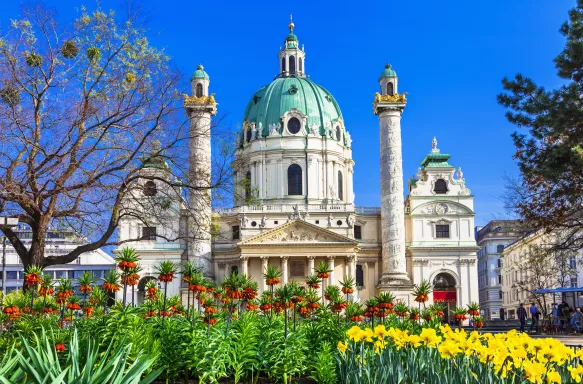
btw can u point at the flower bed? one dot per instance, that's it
(448, 356)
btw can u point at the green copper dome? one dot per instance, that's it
(388, 72)
(270, 102)
(200, 73)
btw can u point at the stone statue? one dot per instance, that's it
(419, 173)
(330, 218)
(434, 143)
(263, 222)
(460, 174)
(332, 191)
(313, 130)
(350, 221)
(296, 213)
(253, 132)
(244, 221)
(260, 131)
(271, 129)
(348, 138)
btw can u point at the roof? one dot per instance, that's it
(200, 73)
(271, 101)
(437, 160)
(388, 72)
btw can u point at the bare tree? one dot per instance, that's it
(85, 108)
(542, 266)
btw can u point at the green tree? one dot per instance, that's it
(549, 192)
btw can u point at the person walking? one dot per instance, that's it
(521, 313)
(577, 320)
(534, 314)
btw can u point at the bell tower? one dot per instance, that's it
(199, 108)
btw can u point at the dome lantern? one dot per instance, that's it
(291, 57)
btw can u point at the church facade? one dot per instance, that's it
(294, 204)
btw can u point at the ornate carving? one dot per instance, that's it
(295, 233)
(396, 98)
(244, 221)
(199, 100)
(263, 221)
(421, 262)
(350, 220)
(330, 218)
(460, 174)
(296, 213)
(441, 208)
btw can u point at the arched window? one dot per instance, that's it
(283, 64)
(390, 89)
(338, 133)
(150, 188)
(199, 90)
(293, 125)
(440, 187)
(340, 186)
(294, 180)
(247, 182)
(248, 135)
(292, 64)
(301, 64)
(499, 249)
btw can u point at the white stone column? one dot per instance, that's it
(245, 265)
(264, 263)
(199, 217)
(285, 274)
(261, 184)
(311, 265)
(332, 266)
(394, 267)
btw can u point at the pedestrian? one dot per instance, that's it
(521, 313)
(555, 315)
(577, 319)
(534, 314)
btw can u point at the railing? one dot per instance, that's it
(367, 210)
(289, 208)
(157, 245)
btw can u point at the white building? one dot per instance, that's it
(492, 239)
(296, 154)
(58, 242)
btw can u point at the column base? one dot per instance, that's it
(399, 285)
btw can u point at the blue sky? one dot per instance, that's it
(450, 57)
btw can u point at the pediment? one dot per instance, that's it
(298, 231)
(441, 208)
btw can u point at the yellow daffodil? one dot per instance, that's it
(380, 331)
(576, 372)
(553, 377)
(355, 334)
(342, 347)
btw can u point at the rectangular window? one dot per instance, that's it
(148, 233)
(61, 274)
(359, 276)
(98, 274)
(358, 232)
(11, 275)
(442, 231)
(573, 262)
(296, 268)
(236, 232)
(499, 279)
(499, 294)
(499, 263)
(574, 282)
(77, 274)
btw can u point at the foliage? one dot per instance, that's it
(549, 193)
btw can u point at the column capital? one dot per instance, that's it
(244, 258)
(331, 257)
(351, 258)
(264, 258)
(221, 265)
(311, 257)
(284, 258)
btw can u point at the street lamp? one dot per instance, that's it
(5, 221)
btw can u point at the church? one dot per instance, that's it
(294, 203)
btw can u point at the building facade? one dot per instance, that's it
(525, 269)
(294, 203)
(58, 242)
(492, 239)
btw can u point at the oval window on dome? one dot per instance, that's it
(293, 125)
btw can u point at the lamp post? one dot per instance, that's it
(5, 221)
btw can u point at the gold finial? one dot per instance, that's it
(291, 23)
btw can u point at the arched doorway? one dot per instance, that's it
(444, 291)
(141, 294)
